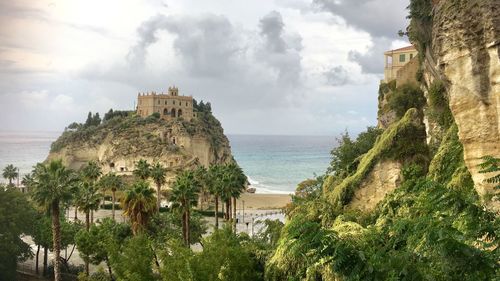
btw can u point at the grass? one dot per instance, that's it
(387, 146)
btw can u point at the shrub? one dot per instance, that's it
(405, 97)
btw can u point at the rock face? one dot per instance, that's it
(119, 143)
(465, 52)
(383, 179)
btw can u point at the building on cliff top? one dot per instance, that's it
(169, 105)
(401, 65)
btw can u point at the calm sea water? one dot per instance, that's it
(274, 164)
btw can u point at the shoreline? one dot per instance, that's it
(263, 201)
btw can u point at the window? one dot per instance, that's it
(158, 102)
(173, 102)
(402, 58)
(186, 104)
(166, 102)
(411, 56)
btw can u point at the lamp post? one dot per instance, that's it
(243, 220)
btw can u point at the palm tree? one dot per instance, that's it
(112, 182)
(215, 173)
(185, 195)
(27, 181)
(142, 169)
(10, 173)
(139, 204)
(90, 174)
(52, 185)
(237, 181)
(87, 201)
(201, 175)
(158, 173)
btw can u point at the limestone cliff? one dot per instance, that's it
(117, 144)
(462, 49)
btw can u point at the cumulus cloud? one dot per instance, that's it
(337, 76)
(380, 18)
(209, 45)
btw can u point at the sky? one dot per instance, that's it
(280, 67)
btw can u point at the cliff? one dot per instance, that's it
(415, 206)
(119, 142)
(464, 53)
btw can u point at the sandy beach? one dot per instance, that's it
(263, 201)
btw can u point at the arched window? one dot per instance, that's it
(179, 113)
(165, 111)
(172, 113)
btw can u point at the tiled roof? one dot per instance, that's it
(408, 48)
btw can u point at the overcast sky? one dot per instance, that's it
(293, 67)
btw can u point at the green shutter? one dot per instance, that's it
(402, 58)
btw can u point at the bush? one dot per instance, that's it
(405, 97)
(345, 155)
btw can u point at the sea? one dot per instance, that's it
(273, 164)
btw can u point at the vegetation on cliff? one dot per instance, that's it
(138, 132)
(433, 227)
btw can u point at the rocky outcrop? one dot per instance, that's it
(465, 52)
(383, 179)
(119, 143)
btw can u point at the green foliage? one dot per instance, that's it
(448, 166)
(96, 244)
(16, 218)
(132, 261)
(10, 173)
(419, 31)
(439, 111)
(491, 165)
(93, 120)
(405, 97)
(116, 114)
(142, 169)
(225, 258)
(345, 157)
(139, 204)
(404, 141)
(422, 231)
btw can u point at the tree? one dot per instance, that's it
(225, 258)
(215, 177)
(139, 204)
(132, 261)
(345, 155)
(10, 173)
(88, 200)
(142, 169)
(95, 245)
(201, 175)
(114, 183)
(158, 174)
(90, 173)
(236, 181)
(185, 196)
(16, 218)
(27, 181)
(52, 186)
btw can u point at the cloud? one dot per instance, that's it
(281, 51)
(380, 18)
(372, 61)
(374, 17)
(337, 76)
(209, 45)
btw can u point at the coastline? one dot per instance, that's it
(263, 201)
